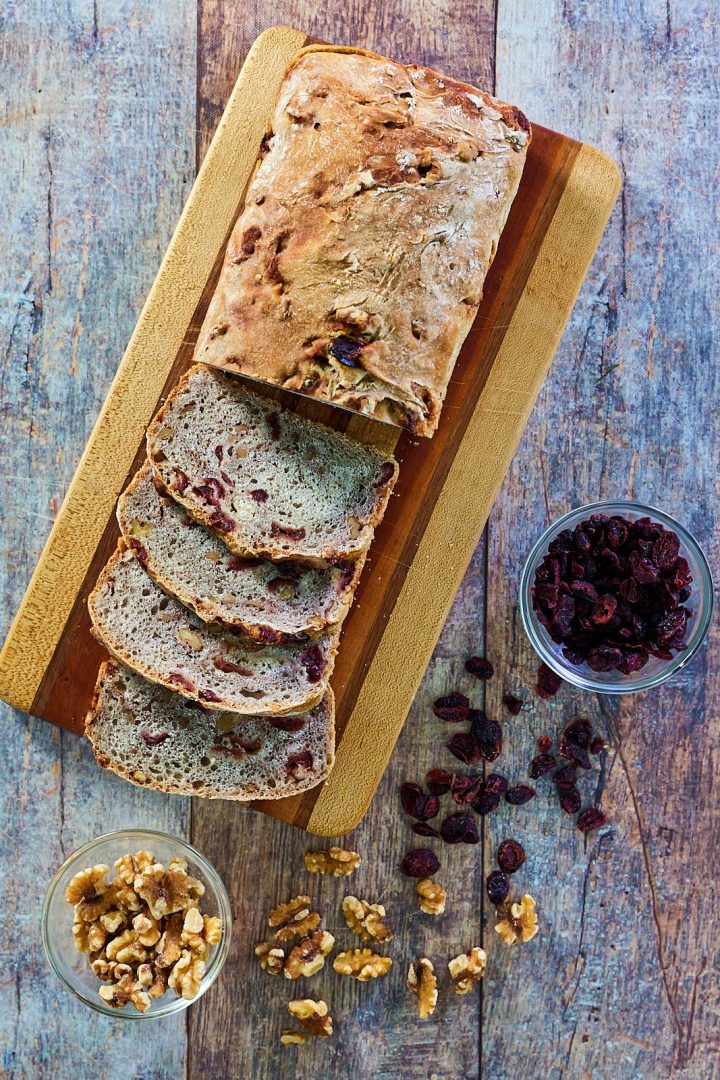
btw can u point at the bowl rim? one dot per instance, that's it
(537, 633)
(217, 958)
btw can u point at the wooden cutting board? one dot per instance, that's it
(447, 485)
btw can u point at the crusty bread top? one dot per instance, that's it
(357, 265)
(269, 601)
(157, 636)
(157, 739)
(270, 483)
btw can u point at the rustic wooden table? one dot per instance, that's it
(107, 108)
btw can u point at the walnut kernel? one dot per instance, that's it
(366, 920)
(432, 896)
(288, 1037)
(271, 957)
(467, 969)
(362, 964)
(421, 980)
(519, 919)
(334, 861)
(308, 957)
(313, 1015)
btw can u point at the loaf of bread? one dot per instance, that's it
(270, 483)
(157, 739)
(357, 265)
(271, 602)
(161, 639)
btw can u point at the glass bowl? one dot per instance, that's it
(72, 967)
(656, 671)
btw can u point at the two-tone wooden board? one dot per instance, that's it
(447, 485)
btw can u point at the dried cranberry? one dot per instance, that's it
(579, 732)
(540, 764)
(510, 856)
(210, 491)
(544, 743)
(219, 454)
(592, 818)
(237, 564)
(577, 754)
(604, 609)
(180, 480)
(464, 787)
(513, 704)
(459, 829)
(453, 707)
(498, 887)
(299, 764)
(259, 495)
(222, 521)
(548, 683)
(570, 800)
(665, 550)
(519, 794)
(420, 863)
(438, 781)
(423, 829)
(597, 745)
(314, 663)
(284, 532)
(228, 667)
(347, 350)
(480, 668)
(154, 740)
(288, 723)
(604, 658)
(565, 778)
(495, 784)
(409, 795)
(464, 747)
(487, 734)
(385, 475)
(273, 422)
(180, 680)
(209, 695)
(485, 802)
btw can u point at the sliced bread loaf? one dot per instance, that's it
(164, 641)
(270, 483)
(157, 739)
(271, 602)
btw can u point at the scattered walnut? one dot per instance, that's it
(288, 1037)
(294, 919)
(432, 896)
(422, 981)
(313, 1015)
(362, 964)
(519, 919)
(271, 957)
(467, 969)
(90, 893)
(334, 861)
(308, 957)
(366, 920)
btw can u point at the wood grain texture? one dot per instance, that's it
(624, 981)
(94, 177)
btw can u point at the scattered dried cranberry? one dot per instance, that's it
(565, 778)
(513, 704)
(570, 800)
(314, 663)
(540, 764)
(480, 668)
(590, 819)
(485, 802)
(423, 829)
(464, 747)
(409, 795)
(544, 743)
(574, 753)
(579, 732)
(459, 829)
(495, 784)
(498, 887)
(519, 794)
(548, 683)
(453, 707)
(464, 787)
(347, 350)
(438, 781)
(487, 734)
(597, 745)
(259, 495)
(510, 856)
(420, 863)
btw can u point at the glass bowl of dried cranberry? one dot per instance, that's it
(616, 597)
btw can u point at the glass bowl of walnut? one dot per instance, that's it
(137, 924)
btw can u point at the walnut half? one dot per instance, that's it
(334, 861)
(520, 919)
(313, 1015)
(432, 896)
(362, 964)
(467, 969)
(308, 957)
(366, 920)
(421, 980)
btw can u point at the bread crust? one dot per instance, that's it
(355, 270)
(110, 668)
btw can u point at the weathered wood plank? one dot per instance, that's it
(620, 981)
(247, 1002)
(96, 140)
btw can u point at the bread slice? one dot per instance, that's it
(270, 602)
(271, 484)
(157, 739)
(157, 636)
